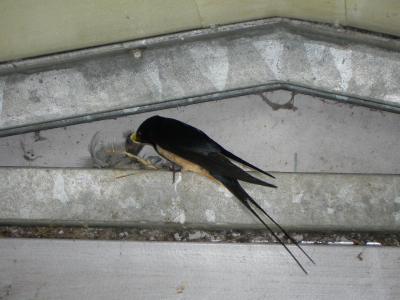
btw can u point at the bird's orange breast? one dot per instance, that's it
(185, 164)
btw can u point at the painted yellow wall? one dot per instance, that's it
(30, 28)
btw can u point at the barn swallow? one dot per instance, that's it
(194, 151)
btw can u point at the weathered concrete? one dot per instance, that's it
(261, 57)
(281, 132)
(54, 269)
(95, 197)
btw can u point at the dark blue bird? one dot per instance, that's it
(194, 151)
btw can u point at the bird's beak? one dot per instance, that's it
(133, 138)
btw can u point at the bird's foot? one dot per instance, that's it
(174, 171)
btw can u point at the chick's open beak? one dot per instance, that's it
(133, 138)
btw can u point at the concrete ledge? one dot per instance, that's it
(260, 57)
(310, 202)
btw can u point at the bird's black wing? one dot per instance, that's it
(194, 145)
(171, 132)
(215, 162)
(218, 163)
(193, 139)
(242, 161)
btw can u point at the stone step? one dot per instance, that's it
(67, 269)
(311, 202)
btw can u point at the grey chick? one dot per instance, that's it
(102, 159)
(117, 160)
(155, 160)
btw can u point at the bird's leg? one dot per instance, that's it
(174, 171)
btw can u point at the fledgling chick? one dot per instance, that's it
(114, 158)
(99, 158)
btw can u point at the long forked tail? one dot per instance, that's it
(238, 159)
(235, 188)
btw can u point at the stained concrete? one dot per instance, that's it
(277, 131)
(265, 56)
(96, 197)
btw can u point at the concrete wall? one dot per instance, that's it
(32, 28)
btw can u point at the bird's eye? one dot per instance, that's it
(139, 133)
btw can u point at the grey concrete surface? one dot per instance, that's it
(265, 55)
(273, 130)
(54, 269)
(310, 202)
(276, 133)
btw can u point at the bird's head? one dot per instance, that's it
(143, 134)
(140, 137)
